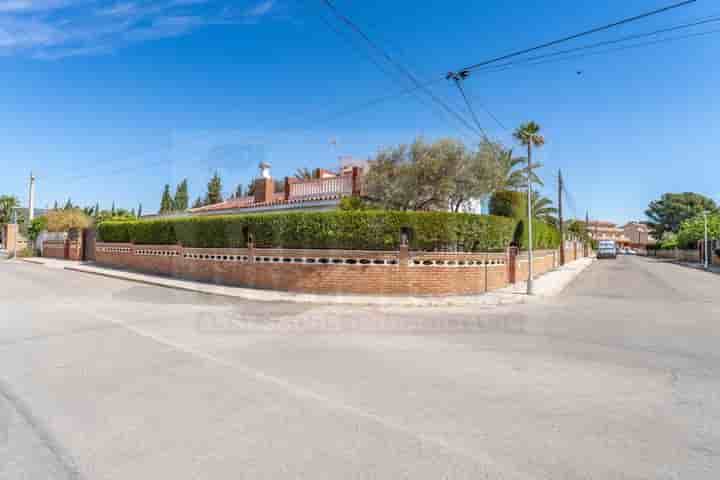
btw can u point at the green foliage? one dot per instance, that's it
(182, 198)
(7, 204)
(114, 231)
(214, 190)
(151, 232)
(434, 176)
(692, 231)
(166, 203)
(507, 203)
(352, 203)
(355, 230)
(37, 226)
(544, 236)
(668, 213)
(64, 220)
(669, 242)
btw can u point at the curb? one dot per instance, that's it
(511, 295)
(257, 295)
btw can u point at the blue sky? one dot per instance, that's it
(108, 101)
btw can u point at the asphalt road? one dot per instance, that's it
(619, 377)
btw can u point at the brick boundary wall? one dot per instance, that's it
(325, 271)
(54, 249)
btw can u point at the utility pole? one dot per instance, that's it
(530, 217)
(31, 200)
(587, 232)
(560, 218)
(705, 245)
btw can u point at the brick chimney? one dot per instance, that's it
(264, 186)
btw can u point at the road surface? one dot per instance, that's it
(619, 377)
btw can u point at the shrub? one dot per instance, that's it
(354, 229)
(692, 231)
(64, 220)
(545, 236)
(509, 203)
(114, 232)
(37, 226)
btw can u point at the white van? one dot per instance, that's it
(607, 249)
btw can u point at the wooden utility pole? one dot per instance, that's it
(560, 218)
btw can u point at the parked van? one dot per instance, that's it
(607, 249)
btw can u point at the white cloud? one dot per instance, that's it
(52, 29)
(262, 8)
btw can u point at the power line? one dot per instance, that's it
(532, 61)
(577, 35)
(704, 21)
(417, 83)
(458, 78)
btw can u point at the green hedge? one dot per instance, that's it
(544, 236)
(355, 230)
(114, 232)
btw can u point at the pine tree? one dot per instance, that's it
(166, 204)
(198, 203)
(182, 199)
(139, 212)
(68, 205)
(214, 192)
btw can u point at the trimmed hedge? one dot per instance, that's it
(545, 236)
(114, 232)
(352, 230)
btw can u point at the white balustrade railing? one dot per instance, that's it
(323, 186)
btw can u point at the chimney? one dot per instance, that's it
(264, 186)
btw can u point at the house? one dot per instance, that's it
(602, 230)
(323, 191)
(638, 234)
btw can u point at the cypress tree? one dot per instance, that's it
(214, 192)
(166, 204)
(139, 212)
(182, 199)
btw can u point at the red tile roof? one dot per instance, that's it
(249, 202)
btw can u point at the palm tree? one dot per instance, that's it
(7, 204)
(543, 209)
(303, 174)
(528, 134)
(509, 170)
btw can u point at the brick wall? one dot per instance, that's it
(325, 271)
(54, 249)
(680, 255)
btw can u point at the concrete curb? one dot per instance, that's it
(488, 299)
(550, 284)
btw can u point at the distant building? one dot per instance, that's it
(638, 234)
(600, 230)
(323, 191)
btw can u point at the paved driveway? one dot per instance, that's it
(616, 378)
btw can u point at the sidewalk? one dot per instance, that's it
(700, 266)
(550, 284)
